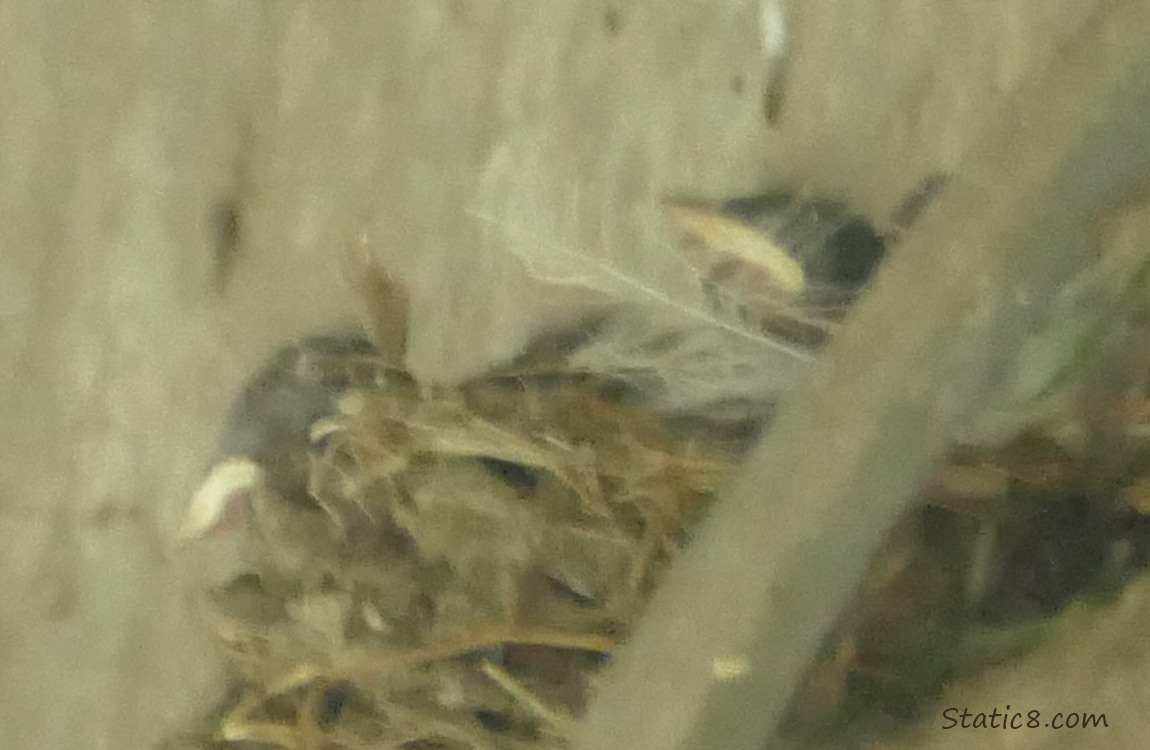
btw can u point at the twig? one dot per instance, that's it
(560, 723)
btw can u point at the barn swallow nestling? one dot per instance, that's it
(263, 455)
(258, 484)
(265, 444)
(792, 265)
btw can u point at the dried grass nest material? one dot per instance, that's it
(485, 547)
(472, 555)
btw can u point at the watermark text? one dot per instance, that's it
(956, 717)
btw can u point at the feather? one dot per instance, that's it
(727, 354)
(691, 368)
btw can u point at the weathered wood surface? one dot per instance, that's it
(132, 130)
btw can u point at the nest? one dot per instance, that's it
(476, 554)
(469, 557)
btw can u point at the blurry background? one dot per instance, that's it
(175, 179)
